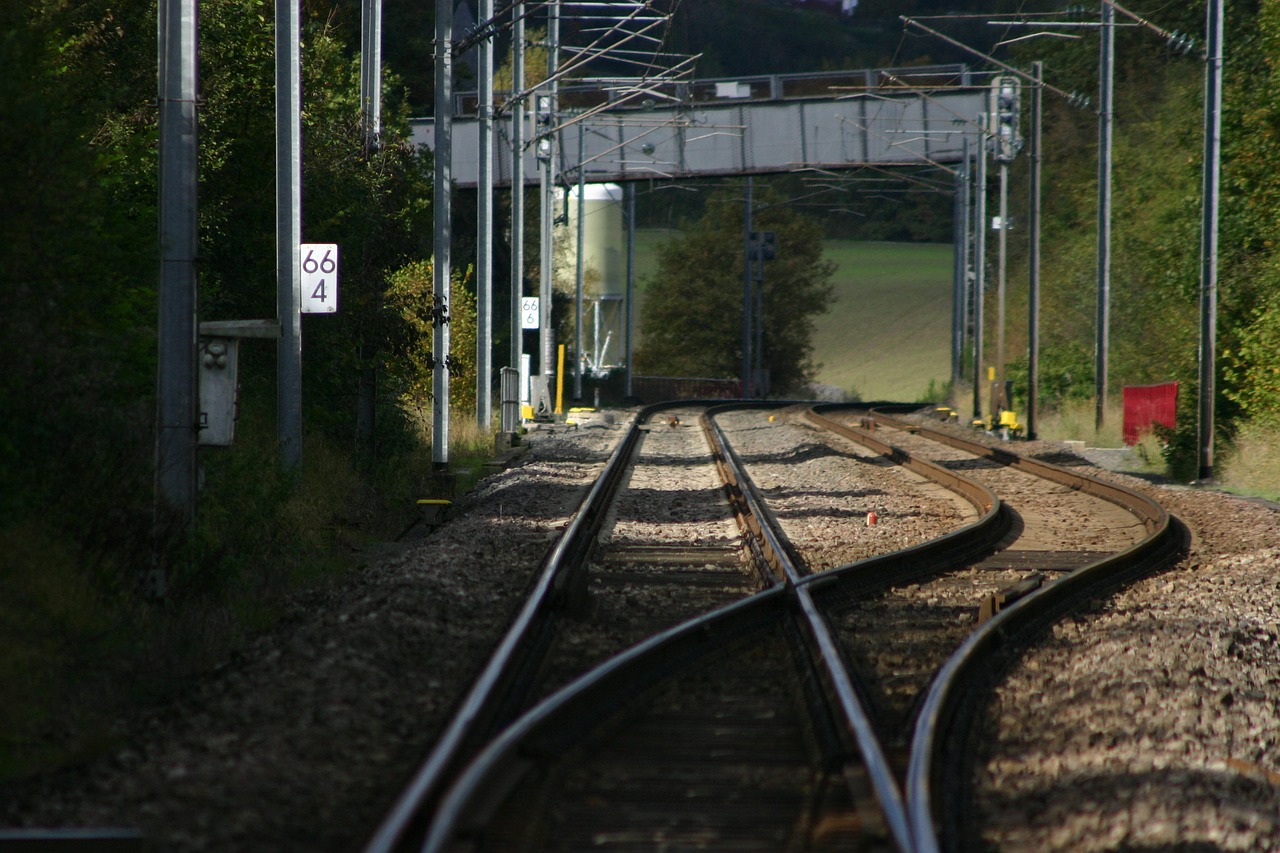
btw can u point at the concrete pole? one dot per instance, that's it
(1106, 111)
(177, 387)
(1209, 234)
(442, 231)
(1033, 276)
(484, 232)
(288, 232)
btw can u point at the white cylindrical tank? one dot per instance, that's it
(604, 270)
(604, 243)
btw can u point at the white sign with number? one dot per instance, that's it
(319, 277)
(529, 312)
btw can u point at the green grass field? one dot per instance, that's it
(888, 334)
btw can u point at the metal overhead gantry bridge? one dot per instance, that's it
(624, 130)
(742, 126)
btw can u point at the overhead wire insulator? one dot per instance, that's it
(1078, 11)
(1182, 42)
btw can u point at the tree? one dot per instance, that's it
(409, 295)
(76, 284)
(692, 312)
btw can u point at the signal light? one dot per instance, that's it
(1006, 107)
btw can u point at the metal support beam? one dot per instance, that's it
(960, 264)
(176, 384)
(578, 275)
(629, 190)
(1209, 234)
(547, 112)
(516, 108)
(1000, 403)
(288, 231)
(442, 231)
(979, 265)
(371, 124)
(746, 293)
(484, 234)
(371, 71)
(1033, 254)
(1106, 109)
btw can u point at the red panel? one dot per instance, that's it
(1145, 405)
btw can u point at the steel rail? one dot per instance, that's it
(561, 718)
(842, 692)
(1146, 510)
(967, 542)
(499, 692)
(550, 727)
(966, 678)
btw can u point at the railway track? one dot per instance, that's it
(774, 693)
(1098, 549)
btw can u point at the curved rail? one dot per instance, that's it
(498, 693)
(951, 701)
(561, 719)
(991, 525)
(839, 685)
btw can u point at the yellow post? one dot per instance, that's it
(560, 381)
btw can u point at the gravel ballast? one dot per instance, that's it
(1152, 719)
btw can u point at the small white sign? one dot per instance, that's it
(319, 277)
(529, 312)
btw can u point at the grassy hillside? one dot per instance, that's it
(887, 294)
(889, 333)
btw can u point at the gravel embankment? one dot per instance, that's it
(1152, 720)
(302, 744)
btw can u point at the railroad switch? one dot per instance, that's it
(997, 601)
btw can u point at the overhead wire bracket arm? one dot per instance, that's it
(1072, 98)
